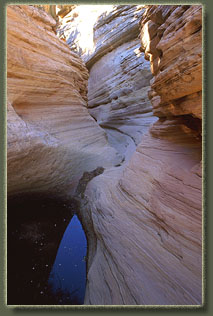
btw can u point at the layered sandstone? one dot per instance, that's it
(76, 28)
(147, 215)
(171, 39)
(52, 139)
(120, 79)
(144, 219)
(119, 75)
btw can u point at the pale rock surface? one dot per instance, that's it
(113, 28)
(52, 139)
(93, 31)
(146, 215)
(76, 28)
(119, 75)
(118, 96)
(120, 79)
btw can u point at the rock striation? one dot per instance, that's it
(52, 139)
(120, 79)
(119, 75)
(171, 37)
(143, 219)
(146, 216)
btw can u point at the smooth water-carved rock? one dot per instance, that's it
(147, 221)
(144, 219)
(52, 139)
(120, 79)
(118, 96)
(119, 75)
(147, 214)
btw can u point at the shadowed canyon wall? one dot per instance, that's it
(52, 139)
(119, 76)
(143, 219)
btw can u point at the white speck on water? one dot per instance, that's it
(41, 244)
(59, 264)
(33, 268)
(55, 225)
(41, 292)
(46, 265)
(64, 219)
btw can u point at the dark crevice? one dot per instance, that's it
(85, 179)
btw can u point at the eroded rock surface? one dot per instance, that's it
(144, 219)
(120, 79)
(118, 96)
(147, 221)
(171, 39)
(52, 139)
(147, 215)
(119, 75)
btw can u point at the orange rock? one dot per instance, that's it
(178, 70)
(52, 139)
(147, 215)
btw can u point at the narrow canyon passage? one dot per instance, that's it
(104, 156)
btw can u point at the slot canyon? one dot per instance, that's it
(104, 128)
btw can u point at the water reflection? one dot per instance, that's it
(68, 275)
(46, 247)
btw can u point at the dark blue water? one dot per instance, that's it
(46, 249)
(68, 275)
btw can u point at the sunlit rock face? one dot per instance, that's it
(119, 75)
(52, 139)
(171, 37)
(76, 28)
(120, 79)
(147, 215)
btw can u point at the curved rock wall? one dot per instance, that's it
(52, 139)
(147, 215)
(120, 79)
(143, 219)
(119, 75)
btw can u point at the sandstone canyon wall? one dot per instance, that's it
(119, 76)
(147, 217)
(52, 139)
(143, 219)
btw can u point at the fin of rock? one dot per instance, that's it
(52, 139)
(147, 215)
